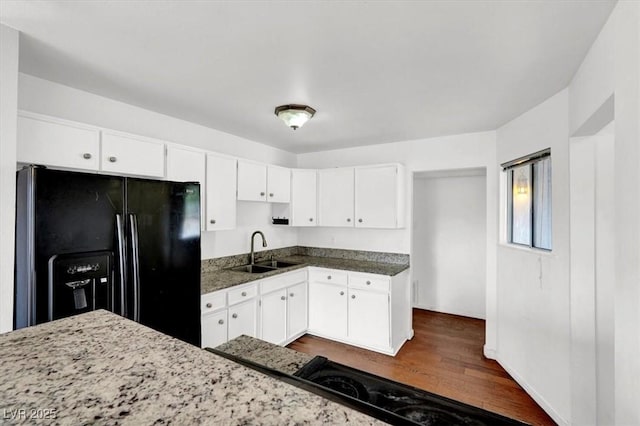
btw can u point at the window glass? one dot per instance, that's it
(521, 205)
(542, 204)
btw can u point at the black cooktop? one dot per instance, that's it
(414, 404)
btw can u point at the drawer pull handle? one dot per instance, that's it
(213, 221)
(113, 159)
(262, 194)
(290, 294)
(360, 220)
(368, 282)
(310, 219)
(271, 194)
(86, 156)
(209, 305)
(348, 219)
(234, 316)
(328, 277)
(244, 293)
(221, 321)
(342, 293)
(283, 297)
(353, 296)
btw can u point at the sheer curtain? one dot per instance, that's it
(542, 204)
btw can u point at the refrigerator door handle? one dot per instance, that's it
(121, 262)
(135, 263)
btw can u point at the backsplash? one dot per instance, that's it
(210, 265)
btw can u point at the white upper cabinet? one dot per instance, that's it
(134, 155)
(304, 197)
(221, 192)
(185, 165)
(335, 197)
(57, 143)
(379, 201)
(278, 184)
(252, 181)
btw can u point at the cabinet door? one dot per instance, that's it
(335, 197)
(130, 155)
(221, 192)
(252, 181)
(274, 317)
(376, 195)
(278, 184)
(214, 329)
(57, 144)
(328, 310)
(184, 165)
(297, 309)
(304, 198)
(242, 319)
(369, 318)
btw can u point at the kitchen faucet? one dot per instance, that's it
(264, 244)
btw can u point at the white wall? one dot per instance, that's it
(449, 244)
(612, 67)
(533, 286)
(9, 39)
(46, 97)
(444, 153)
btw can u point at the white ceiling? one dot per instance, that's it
(376, 72)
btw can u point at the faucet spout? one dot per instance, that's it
(264, 244)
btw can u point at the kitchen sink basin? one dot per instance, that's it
(253, 269)
(277, 264)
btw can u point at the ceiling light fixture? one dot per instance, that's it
(295, 116)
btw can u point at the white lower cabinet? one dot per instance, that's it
(328, 309)
(214, 329)
(369, 318)
(284, 307)
(242, 319)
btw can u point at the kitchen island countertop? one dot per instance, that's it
(100, 368)
(225, 278)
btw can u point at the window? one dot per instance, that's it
(529, 200)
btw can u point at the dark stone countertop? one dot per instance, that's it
(224, 278)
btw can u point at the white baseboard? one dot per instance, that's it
(543, 403)
(489, 353)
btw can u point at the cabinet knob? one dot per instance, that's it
(234, 316)
(86, 156)
(348, 219)
(290, 294)
(209, 305)
(213, 221)
(310, 219)
(271, 194)
(342, 293)
(244, 293)
(328, 277)
(262, 194)
(360, 220)
(368, 282)
(283, 297)
(220, 321)
(353, 296)
(113, 159)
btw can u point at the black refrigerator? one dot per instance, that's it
(88, 241)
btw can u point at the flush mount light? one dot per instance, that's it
(293, 115)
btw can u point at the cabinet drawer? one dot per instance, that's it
(242, 294)
(212, 301)
(282, 281)
(369, 282)
(330, 276)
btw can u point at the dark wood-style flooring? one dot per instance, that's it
(444, 357)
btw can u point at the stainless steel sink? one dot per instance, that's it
(253, 269)
(277, 264)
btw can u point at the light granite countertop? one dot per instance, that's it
(264, 353)
(100, 368)
(225, 278)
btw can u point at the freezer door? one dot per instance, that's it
(59, 213)
(163, 234)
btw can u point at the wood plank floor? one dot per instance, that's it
(444, 357)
